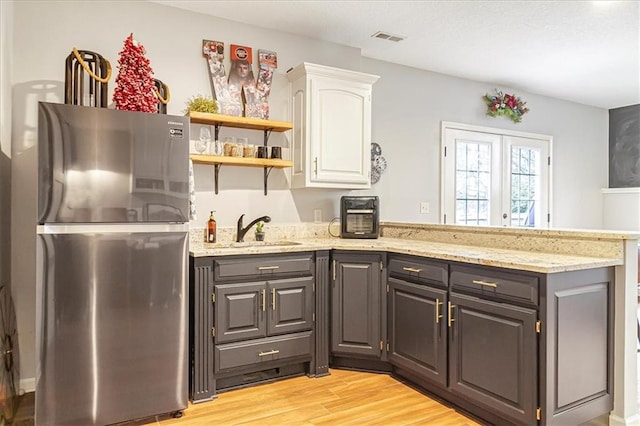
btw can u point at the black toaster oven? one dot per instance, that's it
(359, 217)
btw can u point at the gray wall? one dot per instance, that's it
(408, 106)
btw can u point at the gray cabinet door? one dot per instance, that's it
(356, 305)
(417, 329)
(290, 305)
(240, 311)
(492, 356)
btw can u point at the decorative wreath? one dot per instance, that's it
(505, 104)
(378, 162)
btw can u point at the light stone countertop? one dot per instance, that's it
(498, 257)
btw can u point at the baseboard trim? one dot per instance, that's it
(627, 421)
(27, 385)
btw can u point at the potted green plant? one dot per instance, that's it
(201, 103)
(260, 231)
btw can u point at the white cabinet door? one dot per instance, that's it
(341, 127)
(331, 144)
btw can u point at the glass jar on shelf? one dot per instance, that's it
(204, 141)
(229, 144)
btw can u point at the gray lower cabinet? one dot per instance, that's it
(252, 319)
(260, 309)
(356, 304)
(493, 356)
(493, 342)
(512, 347)
(576, 346)
(418, 330)
(417, 298)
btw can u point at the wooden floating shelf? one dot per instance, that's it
(218, 161)
(241, 161)
(239, 122)
(221, 120)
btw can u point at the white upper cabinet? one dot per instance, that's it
(331, 114)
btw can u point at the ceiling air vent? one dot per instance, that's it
(387, 36)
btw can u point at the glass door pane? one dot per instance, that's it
(525, 186)
(473, 183)
(526, 192)
(472, 178)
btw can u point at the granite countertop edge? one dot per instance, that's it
(503, 258)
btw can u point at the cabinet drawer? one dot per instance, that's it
(495, 284)
(419, 270)
(242, 354)
(263, 266)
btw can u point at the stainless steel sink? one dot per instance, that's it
(254, 244)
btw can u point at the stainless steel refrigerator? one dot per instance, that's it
(112, 265)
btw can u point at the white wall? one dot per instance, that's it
(408, 106)
(621, 209)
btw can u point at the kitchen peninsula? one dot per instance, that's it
(540, 306)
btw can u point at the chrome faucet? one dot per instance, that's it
(242, 231)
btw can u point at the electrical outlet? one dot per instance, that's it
(424, 207)
(317, 215)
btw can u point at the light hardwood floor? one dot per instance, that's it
(343, 398)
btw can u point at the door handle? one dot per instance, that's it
(450, 319)
(264, 300)
(438, 316)
(273, 299)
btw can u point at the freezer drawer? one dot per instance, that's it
(112, 324)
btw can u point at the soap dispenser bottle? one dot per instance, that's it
(211, 229)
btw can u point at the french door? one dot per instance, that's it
(495, 178)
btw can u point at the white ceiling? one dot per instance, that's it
(581, 51)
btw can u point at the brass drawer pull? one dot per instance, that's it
(451, 319)
(267, 268)
(272, 352)
(416, 270)
(485, 283)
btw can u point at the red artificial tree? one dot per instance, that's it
(135, 90)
